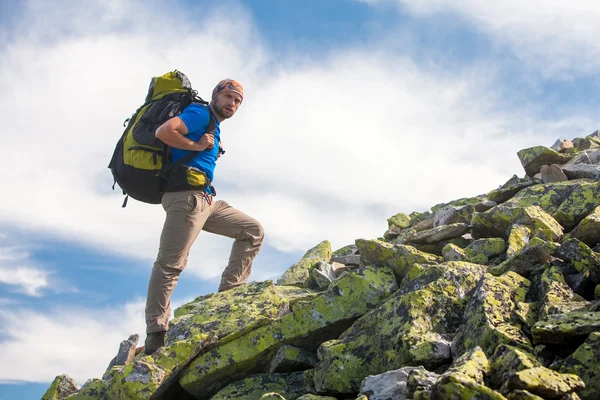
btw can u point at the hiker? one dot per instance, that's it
(190, 211)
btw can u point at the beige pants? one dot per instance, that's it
(187, 214)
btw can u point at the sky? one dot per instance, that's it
(354, 110)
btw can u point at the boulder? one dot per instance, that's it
(580, 256)
(399, 221)
(465, 379)
(555, 291)
(124, 356)
(484, 205)
(273, 386)
(552, 173)
(93, 389)
(397, 257)
(498, 222)
(389, 385)
(489, 248)
(588, 230)
(297, 274)
(453, 215)
(533, 158)
(517, 239)
(407, 329)
(61, 387)
(321, 276)
(320, 319)
(507, 361)
(545, 382)
(564, 328)
(452, 252)
(436, 235)
(536, 252)
(507, 192)
(584, 363)
(489, 316)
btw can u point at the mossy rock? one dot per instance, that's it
(397, 257)
(61, 387)
(489, 316)
(489, 247)
(232, 312)
(536, 252)
(95, 389)
(440, 233)
(533, 158)
(554, 290)
(523, 395)
(290, 358)
(564, 328)
(503, 194)
(452, 252)
(580, 256)
(288, 386)
(508, 360)
(298, 274)
(588, 230)
(399, 220)
(460, 202)
(585, 362)
(544, 382)
(517, 239)
(316, 397)
(323, 318)
(498, 221)
(405, 330)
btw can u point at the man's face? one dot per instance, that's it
(226, 104)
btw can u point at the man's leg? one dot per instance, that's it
(248, 234)
(186, 214)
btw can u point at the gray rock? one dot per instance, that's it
(289, 359)
(552, 173)
(440, 233)
(352, 259)
(389, 385)
(124, 356)
(321, 276)
(484, 205)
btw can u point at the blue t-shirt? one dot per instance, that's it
(196, 118)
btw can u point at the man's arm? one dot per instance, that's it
(173, 132)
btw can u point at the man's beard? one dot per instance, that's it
(219, 111)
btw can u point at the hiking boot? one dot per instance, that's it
(154, 341)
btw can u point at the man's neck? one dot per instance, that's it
(217, 117)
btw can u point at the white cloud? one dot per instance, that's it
(79, 342)
(19, 271)
(323, 150)
(557, 37)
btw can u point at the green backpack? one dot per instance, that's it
(141, 163)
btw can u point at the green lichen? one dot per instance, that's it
(62, 386)
(536, 252)
(554, 290)
(315, 397)
(498, 221)
(440, 233)
(507, 361)
(582, 201)
(523, 395)
(533, 158)
(581, 257)
(95, 390)
(490, 318)
(490, 247)
(518, 238)
(399, 258)
(544, 382)
(290, 358)
(563, 328)
(452, 252)
(405, 330)
(584, 363)
(297, 274)
(257, 386)
(325, 317)
(588, 230)
(399, 220)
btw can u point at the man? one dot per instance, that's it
(192, 209)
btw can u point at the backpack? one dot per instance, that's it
(141, 162)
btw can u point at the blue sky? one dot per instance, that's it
(354, 110)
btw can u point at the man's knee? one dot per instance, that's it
(257, 233)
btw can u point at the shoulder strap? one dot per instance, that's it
(184, 160)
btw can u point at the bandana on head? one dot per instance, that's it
(228, 85)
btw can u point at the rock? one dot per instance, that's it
(232, 312)
(399, 220)
(464, 379)
(588, 230)
(584, 363)
(523, 395)
(562, 146)
(484, 205)
(498, 221)
(297, 274)
(552, 173)
(389, 385)
(489, 316)
(61, 387)
(315, 397)
(348, 250)
(563, 328)
(503, 194)
(554, 291)
(507, 361)
(536, 252)
(321, 276)
(583, 166)
(453, 215)
(439, 234)
(424, 224)
(255, 387)
(581, 257)
(517, 239)
(489, 247)
(398, 257)
(597, 292)
(404, 330)
(320, 319)
(544, 382)
(451, 252)
(419, 379)
(272, 396)
(93, 389)
(533, 158)
(351, 259)
(290, 359)
(125, 354)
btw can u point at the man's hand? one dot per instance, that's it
(207, 141)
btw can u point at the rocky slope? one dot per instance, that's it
(492, 297)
